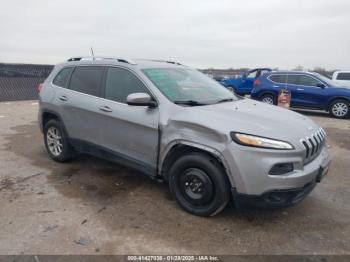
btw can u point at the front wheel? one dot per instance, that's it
(339, 108)
(199, 184)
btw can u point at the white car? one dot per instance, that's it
(342, 78)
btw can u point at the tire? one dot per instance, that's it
(268, 99)
(339, 108)
(55, 138)
(199, 184)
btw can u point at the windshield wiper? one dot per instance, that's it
(224, 100)
(189, 103)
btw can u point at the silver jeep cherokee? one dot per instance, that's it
(175, 124)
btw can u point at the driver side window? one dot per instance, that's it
(120, 83)
(308, 81)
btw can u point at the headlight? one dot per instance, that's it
(263, 142)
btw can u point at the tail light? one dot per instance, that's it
(40, 87)
(257, 82)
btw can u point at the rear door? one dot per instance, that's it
(131, 132)
(79, 104)
(291, 81)
(278, 82)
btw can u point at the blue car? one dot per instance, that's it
(243, 85)
(308, 90)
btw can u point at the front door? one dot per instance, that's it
(305, 91)
(131, 132)
(248, 81)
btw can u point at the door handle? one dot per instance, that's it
(300, 89)
(106, 109)
(275, 86)
(63, 98)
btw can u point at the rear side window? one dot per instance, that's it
(87, 79)
(292, 79)
(120, 83)
(62, 77)
(278, 78)
(343, 76)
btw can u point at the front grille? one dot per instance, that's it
(313, 144)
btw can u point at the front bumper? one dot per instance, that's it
(249, 169)
(255, 187)
(278, 198)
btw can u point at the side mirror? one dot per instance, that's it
(140, 99)
(321, 86)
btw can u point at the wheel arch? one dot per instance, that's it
(183, 147)
(47, 115)
(268, 93)
(336, 98)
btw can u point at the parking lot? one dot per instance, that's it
(91, 206)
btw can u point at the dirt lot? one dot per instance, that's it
(91, 206)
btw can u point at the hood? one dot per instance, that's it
(342, 87)
(343, 84)
(250, 117)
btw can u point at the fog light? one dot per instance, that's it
(281, 169)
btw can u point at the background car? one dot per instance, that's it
(243, 85)
(219, 78)
(342, 78)
(308, 90)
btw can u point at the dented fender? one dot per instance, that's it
(195, 135)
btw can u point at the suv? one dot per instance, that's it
(342, 78)
(243, 85)
(309, 91)
(175, 124)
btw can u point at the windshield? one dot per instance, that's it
(188, 85)
(328, 81)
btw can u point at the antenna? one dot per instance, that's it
(92, 53)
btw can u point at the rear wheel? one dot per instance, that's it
(199, 184)
(340, 108)
(268, 99)
(56, 141)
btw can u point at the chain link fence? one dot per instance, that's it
(20, 81)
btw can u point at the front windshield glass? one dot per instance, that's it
(328, 81)
(182, 84)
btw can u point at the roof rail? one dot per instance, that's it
(163, 61)
(122, 60)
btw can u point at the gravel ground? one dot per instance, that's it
(91, 206)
